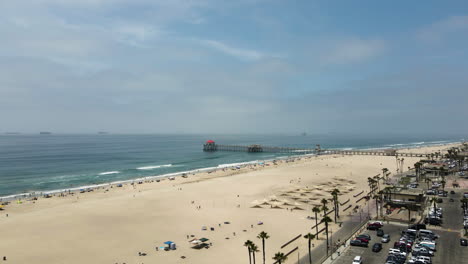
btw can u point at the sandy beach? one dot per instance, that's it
(112, 225)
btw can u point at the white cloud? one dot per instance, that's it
(353, 50)
(245, 54)
(136, 34)
(440, 30)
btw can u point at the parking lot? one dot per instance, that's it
(448, 245)
(394, 230)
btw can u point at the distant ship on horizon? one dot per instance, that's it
(45, 133)
(103, 133)
(12, 133)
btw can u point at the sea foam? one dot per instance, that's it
(109, 172)
(154, 167)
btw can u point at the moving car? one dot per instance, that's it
(377, 247)
(380, 232)
(385, 238)
(463, 242)
(357, 260)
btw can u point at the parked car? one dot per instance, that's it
(377, 247)
(395, 259)
(374, 225)
(358, 243)
(366, 236)
(363, 239)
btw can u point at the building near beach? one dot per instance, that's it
(398, 197)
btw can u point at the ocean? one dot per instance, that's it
(38, 163)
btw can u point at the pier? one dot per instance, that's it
(211, 146)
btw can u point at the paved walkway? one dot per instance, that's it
(349, 227)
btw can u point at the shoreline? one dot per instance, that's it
(194, 172)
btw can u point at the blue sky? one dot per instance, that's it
(262, 66)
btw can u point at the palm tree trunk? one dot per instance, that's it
(316, 225)
(326, 233)
(253, 254)
(335, 209)
(250, 257)
(377, 207)
(310, 256)
(263, 246)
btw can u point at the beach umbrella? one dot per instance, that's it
(203, 239)
(168, 242)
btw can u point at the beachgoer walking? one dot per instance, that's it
(4, 258)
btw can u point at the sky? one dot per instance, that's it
(244, 66)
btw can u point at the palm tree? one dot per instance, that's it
(372, 185)
(376, 198)
(247, 244)
(280, 257)
(263, 235)
(384, 174)
(335, 194)
(417, 169)
(376, 179)
(427, 180)
(316, 210)
(253, 249)
(324, 207)
(309, 237)
(443, 182)
(326, 220)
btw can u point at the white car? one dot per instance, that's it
(357, 260)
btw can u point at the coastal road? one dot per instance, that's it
(448, 245)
